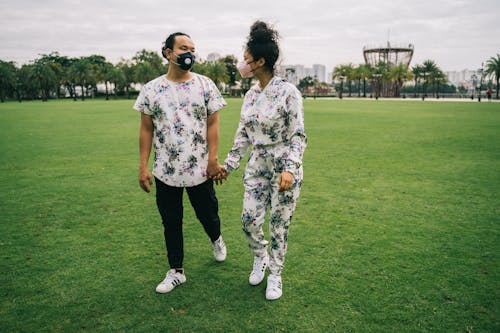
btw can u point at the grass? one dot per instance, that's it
(396, 230)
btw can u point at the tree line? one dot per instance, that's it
(387, 80)
(57, 76)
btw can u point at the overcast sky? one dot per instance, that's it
(456, 34)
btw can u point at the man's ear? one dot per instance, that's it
(168, 53)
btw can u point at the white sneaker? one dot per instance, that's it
(259, 269)
(172, 280)
(274, 289)
(219, 249)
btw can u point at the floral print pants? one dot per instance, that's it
(261, 191)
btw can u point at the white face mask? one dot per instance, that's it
(245, 69)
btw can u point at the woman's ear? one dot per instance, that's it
(261, 62)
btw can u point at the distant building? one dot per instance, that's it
(460, 78)
(295, 73)
(213, 57)
(319, 72)
(291, 73)
(329, 77)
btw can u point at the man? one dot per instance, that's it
(179, 117)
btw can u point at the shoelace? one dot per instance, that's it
(275, 285)
(219, 245)
(259, 265)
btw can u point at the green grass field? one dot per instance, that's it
(397, 227)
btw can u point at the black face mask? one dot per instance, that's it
(185, 60)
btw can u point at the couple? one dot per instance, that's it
(179, 116)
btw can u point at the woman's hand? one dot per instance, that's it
(217, 173)
(285, 181)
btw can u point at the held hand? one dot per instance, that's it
(145, 179)
(222, 175)
(285, 181)
(213, 169)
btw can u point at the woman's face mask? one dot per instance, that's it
(245, 69)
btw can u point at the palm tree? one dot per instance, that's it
(381, 76)
(200, 67)
(144, 72)
(437, 77)
(365, 73)
(28, 87)
(154, 60)
(417, 74)
(340, 72)
(217, 72)
(117, 77)
(350, 76)
(493, 69)
(79, 74)
(429, 68)
(357, 74)
(127, 69)
(230, 61)
(7, 78)
(305, 83)
(106, 75)
(64, 63)
(398, 74)
(45, 75)
(60, 65)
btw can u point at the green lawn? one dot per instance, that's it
(397, 228)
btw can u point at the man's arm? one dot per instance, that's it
(213, 168)
(145, 143)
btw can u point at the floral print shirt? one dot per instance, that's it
(179, 112)
(272, 119)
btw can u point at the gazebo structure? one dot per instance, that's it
(390, 55)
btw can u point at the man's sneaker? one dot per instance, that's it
(172, 280)
(259, 269)
(219, 249)
(273, 290)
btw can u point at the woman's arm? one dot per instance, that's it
(240, 146)
(298, 139)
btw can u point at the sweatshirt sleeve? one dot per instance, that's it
(298, 139)
(239, 149)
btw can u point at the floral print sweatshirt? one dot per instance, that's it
(271, 119)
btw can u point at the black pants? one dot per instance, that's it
(169, 202)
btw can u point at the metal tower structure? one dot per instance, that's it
(390, 55)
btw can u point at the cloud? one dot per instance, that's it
(457, 34)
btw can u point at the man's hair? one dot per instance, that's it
(169, 42)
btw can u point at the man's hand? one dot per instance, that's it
(145, 179)
(285, 181)
(222, 175)
(213, 168)
(216, 172)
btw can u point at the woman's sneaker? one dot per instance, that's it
(219, 249)
(274, 289)
(259, 269)
(172, 280)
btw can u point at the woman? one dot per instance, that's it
(272, 121)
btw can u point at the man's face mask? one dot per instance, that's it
(245, 69)
(185, 60)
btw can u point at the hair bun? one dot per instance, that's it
(260, 32)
